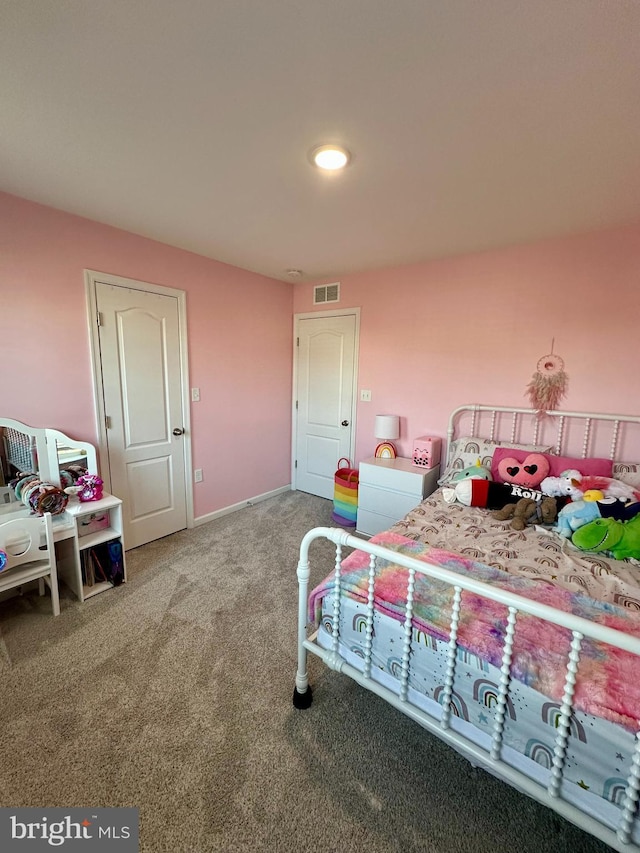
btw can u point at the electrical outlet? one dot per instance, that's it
(365, 396)
(197, 475)
(195, 395)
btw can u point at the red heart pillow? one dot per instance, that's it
(530, 472)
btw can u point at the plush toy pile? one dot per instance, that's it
(598, 514)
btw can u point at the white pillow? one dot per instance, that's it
(466, 451)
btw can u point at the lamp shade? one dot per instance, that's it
(387, 427)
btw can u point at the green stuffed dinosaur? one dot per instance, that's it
(620, 538)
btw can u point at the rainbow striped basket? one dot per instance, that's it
(345, 494)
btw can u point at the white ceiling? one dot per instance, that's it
(474, 124)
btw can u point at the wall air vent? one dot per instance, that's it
(326, 293)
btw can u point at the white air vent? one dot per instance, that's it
(326, 293)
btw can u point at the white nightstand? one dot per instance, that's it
(388, 489)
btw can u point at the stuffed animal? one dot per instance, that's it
(473, 472)
(576, 514)
(562, 485)
(595, 495)
(608, 486)
(529, 473)
(620, 538)
(528, 510)
(485, 493)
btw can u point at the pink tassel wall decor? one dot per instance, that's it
(548, 384)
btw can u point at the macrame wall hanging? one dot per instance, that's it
(548, 384)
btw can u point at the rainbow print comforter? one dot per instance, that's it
(608, 681)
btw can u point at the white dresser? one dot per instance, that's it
(388, 489)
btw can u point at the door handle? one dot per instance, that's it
(345, 423)
(178, 431)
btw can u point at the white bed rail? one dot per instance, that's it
(621, 836)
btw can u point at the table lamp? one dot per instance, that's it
(387, 429)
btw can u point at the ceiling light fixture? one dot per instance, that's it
(294, 273)
(330, 157)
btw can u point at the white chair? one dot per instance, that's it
(30, 555)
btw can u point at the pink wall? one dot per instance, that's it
(434, 336)
(240, 343)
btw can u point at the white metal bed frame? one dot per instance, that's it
(525, 424)
(551, 795)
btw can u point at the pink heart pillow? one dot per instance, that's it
(530, 472)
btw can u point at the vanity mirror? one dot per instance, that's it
(64, 451)
(40, 451)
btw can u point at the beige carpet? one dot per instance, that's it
(173, 693)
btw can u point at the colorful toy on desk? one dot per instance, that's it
(90, 487)
(20, 482)
(38, 496)
(48, 498)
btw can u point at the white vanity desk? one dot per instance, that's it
(83, 525)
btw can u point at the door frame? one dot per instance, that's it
(92, 278)
(310, 315)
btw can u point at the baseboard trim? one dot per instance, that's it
(218, 513)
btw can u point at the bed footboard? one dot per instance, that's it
(621, 826)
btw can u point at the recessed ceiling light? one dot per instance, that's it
(330, 157)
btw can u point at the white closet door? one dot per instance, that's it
(325, 389)
(142, 386)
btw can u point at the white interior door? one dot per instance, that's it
(139, 337)
(325, 388)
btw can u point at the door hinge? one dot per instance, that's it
(296, 405)
(99, 318)
(295, 464)
(297, 342)
(107, 422)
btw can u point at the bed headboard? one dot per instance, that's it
(578, 434)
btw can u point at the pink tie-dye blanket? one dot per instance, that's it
(608, 680)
